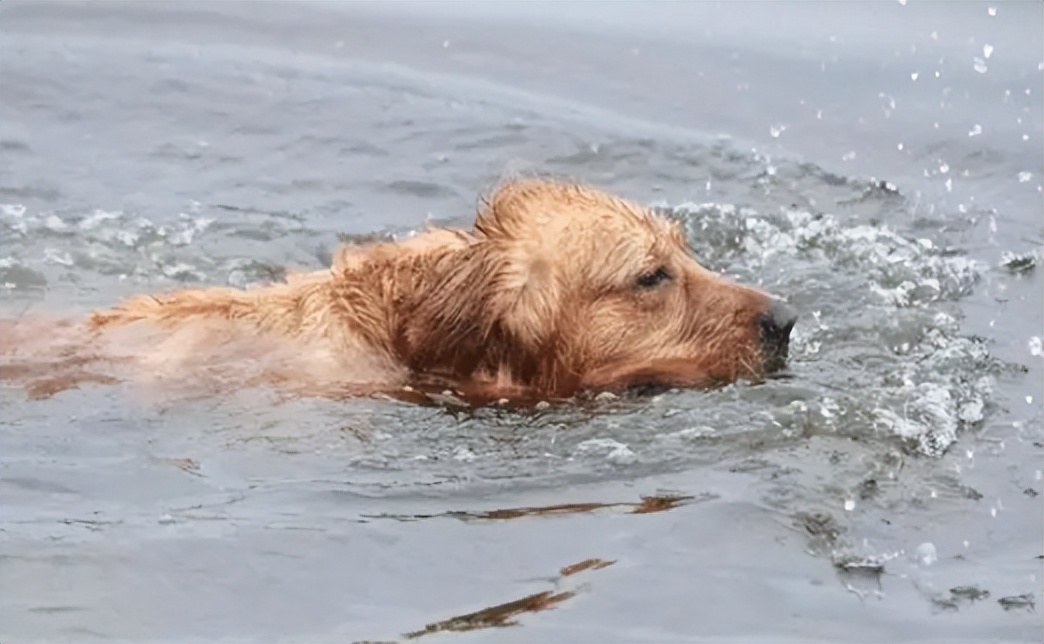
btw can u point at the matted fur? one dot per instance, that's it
(559, 287)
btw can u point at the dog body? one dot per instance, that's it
(558, 288)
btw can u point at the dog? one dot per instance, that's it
(559, 288)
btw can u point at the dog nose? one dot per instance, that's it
(776, 324)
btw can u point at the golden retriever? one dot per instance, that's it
(558, 288)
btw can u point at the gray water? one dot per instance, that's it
(878, 164)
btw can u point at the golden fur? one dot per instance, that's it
(559, 287)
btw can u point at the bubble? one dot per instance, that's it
(58, 256)
(927, 554)
(98, 217)
(15, 210)
(464, 454)
(615, 452)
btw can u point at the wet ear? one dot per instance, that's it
(481, 301)
(528, 301)
(527, 297)
(448, 317)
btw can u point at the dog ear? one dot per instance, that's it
(479, 307)
(528, 293)
(447, 319)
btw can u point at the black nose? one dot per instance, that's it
(776, 324)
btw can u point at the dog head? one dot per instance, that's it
(563, 286)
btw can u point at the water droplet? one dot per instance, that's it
(949, 185)
(927, 554)
(1036, 347)
(987, 51)
(980, 65)
(976, 130)
(848, 156)
(464, 455)
(776, 130)
(992, 11)
(1025, 176)
(914, 75)
(1029, 400)
(849, 505)
(900, 146)
(944, 168)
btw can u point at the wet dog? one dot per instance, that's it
(558, 288)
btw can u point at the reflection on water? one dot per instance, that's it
(504, 614)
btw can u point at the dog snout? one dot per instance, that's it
(776, 323)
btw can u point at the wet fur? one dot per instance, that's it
(543, 297)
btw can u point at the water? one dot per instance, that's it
(886, 487)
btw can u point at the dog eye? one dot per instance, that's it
(654, 279)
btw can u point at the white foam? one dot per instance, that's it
(929, 382)
(98, 217)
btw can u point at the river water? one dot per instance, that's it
(879, 164)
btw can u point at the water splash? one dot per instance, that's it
(879, 327)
